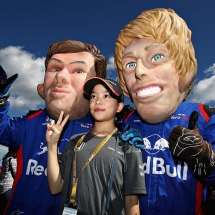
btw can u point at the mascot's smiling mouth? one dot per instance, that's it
(149, 91)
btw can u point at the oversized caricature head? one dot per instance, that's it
(68, 65)
(156, 63)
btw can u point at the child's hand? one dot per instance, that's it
(53, 131)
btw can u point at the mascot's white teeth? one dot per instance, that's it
(148, 91)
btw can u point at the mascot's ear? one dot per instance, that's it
(185, 82)
(40, 90)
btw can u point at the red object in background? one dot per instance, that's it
(0, 170)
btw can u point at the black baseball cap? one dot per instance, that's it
(108, 83)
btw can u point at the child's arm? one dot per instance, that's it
(53, 170)
(132, 205)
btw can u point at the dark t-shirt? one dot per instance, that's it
(92, 188)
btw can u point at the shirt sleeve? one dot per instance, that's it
(13, 164)
(9, 135)
(65, 159)
(134, 177)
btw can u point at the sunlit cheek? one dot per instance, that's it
(127, 78)
(174, 82)
(46, 86)
(77, 84)
(50, 75)
(49, 79)
(129, 82)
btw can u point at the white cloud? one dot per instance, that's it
(204, 90)
(110, 63)
(3, 149)
(23, 92)
(111, 69)
(211, 69)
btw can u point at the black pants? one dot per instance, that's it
(209, 207)
(4, 197)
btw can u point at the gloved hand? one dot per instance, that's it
(132, 136)
(190, 146)
(5, 83)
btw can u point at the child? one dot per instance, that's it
(107, 180)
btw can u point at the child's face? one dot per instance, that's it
(102, 106)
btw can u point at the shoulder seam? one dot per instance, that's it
(202, 110)
(126, 119)
(34, 114)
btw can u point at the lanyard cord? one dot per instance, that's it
(75, 179)
(112, 175)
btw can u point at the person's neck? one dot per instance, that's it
(103, 129)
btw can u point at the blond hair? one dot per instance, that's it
(167, 28)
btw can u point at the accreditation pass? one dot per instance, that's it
(69, 211)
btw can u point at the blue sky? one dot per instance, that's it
(28, 28)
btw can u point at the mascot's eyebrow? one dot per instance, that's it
(147, 48)
(127, 55)
(79, 61)
(153, 45)
(58, 60)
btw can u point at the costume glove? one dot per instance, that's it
(189, 145)
(132, 136)
(5, 83)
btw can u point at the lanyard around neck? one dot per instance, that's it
(75, 179)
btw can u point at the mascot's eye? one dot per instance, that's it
(157, 57)
(56, 70)
(131, 65)
(78, 72)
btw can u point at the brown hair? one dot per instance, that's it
(167, 28)
(72, 46)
